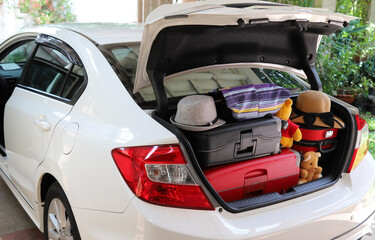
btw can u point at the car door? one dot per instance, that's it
(13, 59)
(38, 103)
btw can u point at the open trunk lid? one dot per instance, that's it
(180, 37)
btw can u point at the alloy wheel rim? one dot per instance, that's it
(58, 221)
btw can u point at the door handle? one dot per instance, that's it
(42, 124)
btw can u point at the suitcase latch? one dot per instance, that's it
(246, 146)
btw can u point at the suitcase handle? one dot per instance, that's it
(244, 152)
(332, 142)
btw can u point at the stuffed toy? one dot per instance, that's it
(289, 130)
(309, 167)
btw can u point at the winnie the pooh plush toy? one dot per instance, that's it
(289, 130)
(309, 167)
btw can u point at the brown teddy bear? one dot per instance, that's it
(289, 130)
(309, 167)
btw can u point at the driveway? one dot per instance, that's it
(14, 222)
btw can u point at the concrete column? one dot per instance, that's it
(328, 4)
(147, 6)
(372, 12)
(140, 11)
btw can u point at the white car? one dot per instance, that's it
(88, 150)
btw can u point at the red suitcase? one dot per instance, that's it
(323, 140)
(274, 173)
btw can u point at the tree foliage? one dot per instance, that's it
(301, 3)
(358, 8)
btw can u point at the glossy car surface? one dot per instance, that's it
(67, 109)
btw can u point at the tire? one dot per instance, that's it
(58, 218)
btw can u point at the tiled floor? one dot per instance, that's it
(27, 234)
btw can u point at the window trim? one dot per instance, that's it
(106, 50)
(59, 45)
(54, 43)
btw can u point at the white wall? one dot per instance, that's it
(105, 11)
(11, 21)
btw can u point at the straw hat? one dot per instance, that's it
(314, 108)
(196, 113)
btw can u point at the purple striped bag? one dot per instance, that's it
(254, 100)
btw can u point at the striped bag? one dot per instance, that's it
(254, 100)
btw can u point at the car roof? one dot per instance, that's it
(103, 33)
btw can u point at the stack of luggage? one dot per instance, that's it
(238, 147)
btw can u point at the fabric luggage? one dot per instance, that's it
(236, 141)
(317, 139)
(274, 173)
(254, 100)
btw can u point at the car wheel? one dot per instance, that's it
(58, 219)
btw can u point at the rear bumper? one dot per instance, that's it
(364, 228)
(342, 211)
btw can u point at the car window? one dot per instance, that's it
(19, 54)
(202, 81)
(51, 72)
(12, 65)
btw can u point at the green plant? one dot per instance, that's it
(358, 8)
(342, 61)
(370, 119)
(48, 11)
(302, 3)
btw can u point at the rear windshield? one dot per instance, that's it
(124, 59)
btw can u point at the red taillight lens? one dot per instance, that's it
(159, 175)
(362, 143)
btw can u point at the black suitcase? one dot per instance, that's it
(235, 142)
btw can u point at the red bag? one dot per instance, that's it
(274, 173)
(323, 140)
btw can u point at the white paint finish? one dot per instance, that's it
(98, 32)
(26, 142)
(108, 118)
(321, 215)
(68, 137)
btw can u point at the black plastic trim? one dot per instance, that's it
(64, 48)
(61, 99)
(106, 50)
(45, 40)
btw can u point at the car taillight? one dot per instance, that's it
(362, 143)
(159, 175)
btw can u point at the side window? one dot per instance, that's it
(51, 72)
(12, 65)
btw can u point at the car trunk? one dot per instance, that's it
(333, 164)
(238, 35)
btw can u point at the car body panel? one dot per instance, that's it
(104, 124)
(98, 32)
(325, 214)
(26, 141)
